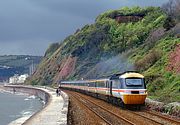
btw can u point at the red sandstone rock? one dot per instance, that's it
(174, 60)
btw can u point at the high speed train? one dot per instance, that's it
(123, 89)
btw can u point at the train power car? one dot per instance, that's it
(123, 89)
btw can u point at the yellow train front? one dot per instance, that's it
(130, 87)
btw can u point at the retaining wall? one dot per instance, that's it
(28, 90)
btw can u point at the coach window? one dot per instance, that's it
(101, 84)
(91, 84)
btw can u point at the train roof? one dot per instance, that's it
(126, 74)
(85, 81)
(130, 75)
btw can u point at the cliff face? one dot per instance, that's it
(121, 17)
(66, 68)
(127, 19)
(110, 46)
(174, 60)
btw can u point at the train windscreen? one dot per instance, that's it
(134, 82)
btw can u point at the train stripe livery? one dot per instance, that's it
(126, 88)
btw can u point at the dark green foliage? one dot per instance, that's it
(169, 23)
(156, 85)
(147, 61)
(93, 41)
(51, 49)
(130, 35)
(34, 82)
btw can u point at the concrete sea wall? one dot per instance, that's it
(28, 90)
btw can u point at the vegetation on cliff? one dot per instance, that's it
(119, 40)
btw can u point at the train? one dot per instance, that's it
(123, 89)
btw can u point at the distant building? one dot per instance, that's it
(13, 79)
(18, 79)
(22, 78)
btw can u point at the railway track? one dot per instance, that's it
(146, 117)
(123, 116)
(156, 118)
(107, 116)
(164, 117)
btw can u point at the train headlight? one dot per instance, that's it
(145, 91)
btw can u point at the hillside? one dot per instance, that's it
(16, 64)
(119, 40)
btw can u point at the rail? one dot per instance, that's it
(88, 103)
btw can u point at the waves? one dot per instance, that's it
(18, 107)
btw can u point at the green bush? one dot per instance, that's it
(51, 49)
(150, 59)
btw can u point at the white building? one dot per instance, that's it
(18, 79)
(22, 78)
(13, 79)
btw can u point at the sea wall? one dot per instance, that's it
(28, 90)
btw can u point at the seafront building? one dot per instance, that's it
(18, 79)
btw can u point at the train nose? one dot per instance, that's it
(134, 98)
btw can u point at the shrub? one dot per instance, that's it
(148, 60)
(52, 48)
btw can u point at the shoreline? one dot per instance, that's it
(55, 110)
(28, 91)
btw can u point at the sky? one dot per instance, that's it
(28, 27)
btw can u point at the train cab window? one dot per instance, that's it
(134, 82)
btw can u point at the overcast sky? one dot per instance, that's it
(27, 27)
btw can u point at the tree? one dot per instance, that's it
(169, 23)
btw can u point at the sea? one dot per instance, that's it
(15, 106)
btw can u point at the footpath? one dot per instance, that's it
(55, 112)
